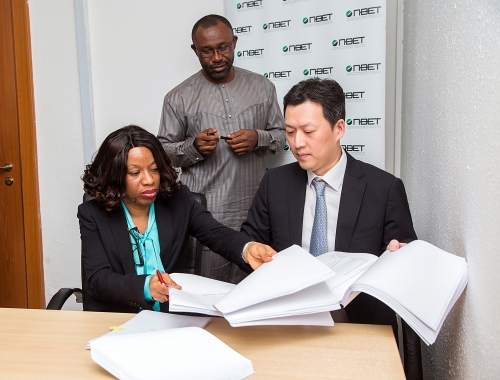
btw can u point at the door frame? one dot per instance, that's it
(27, 146)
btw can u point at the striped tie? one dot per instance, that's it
(319, 239)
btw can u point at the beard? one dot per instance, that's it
(209, 69)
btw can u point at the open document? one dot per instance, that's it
(180, 353)
(290, 289)
(420, 282)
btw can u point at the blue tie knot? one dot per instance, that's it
(319, 185)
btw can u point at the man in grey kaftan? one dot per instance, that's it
(221, 100)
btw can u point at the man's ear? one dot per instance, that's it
(339, 129)
(194, 49)
(235, 39)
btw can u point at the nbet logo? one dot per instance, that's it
(348, 41)
(278, 74)
(354, 95)
(249, 4)
(315, 19)
(298, 47)
(318, 71)
(276, 25)
(364, 121)
(363, 12)
(353, 148)
(242, 29)
(363, 67)
(250, 53)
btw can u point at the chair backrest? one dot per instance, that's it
(192, 251)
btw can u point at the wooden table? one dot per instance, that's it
(50, 344)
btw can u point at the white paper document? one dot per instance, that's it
(148, 320)
(290, 271)
(316, 319)
(291, 285)
(198, 294)
(347, 267)
(420, 282)
(181, 353)
(313, 299)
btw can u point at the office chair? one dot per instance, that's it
(192, 254)
(412, 355)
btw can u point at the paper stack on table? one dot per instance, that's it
(180, 353)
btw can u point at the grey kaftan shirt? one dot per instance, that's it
(228, 181)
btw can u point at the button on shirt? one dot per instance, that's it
(333, 190)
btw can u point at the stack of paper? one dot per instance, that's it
(182, 353)
(290, 289)
(148, 320)
(198, 294)
(420, 282)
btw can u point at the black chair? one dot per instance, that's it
(412, 355)
(192, 253)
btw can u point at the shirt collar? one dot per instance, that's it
(335, 176)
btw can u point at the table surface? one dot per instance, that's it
(50, 344)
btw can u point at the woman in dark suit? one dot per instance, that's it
(139, 222)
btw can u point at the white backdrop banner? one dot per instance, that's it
(291, 40)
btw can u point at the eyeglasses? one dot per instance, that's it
(139, 257)
(209, 53)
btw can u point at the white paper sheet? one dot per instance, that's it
(290, 271)
(182, 353)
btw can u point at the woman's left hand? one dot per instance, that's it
(159, 291)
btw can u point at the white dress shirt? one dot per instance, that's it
(333, 190)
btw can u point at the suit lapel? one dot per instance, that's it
(353, 189)
(165, 224)
(296, 199)
(119, 232)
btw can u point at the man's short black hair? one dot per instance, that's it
(209, 21)
(325, 92)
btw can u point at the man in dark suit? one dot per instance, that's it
(366, 208)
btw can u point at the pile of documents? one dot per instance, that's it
(155, 345)
(420, 282)
(289, 290)
(181, 353)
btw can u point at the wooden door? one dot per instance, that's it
(21, 270)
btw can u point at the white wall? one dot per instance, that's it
(59, 139)
(451, 164)
(139, 50)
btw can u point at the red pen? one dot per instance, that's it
(162, 281)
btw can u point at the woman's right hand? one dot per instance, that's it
(159, 291)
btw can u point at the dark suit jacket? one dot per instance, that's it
(109, 279)
(373, 210)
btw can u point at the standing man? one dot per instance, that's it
(217, 126)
